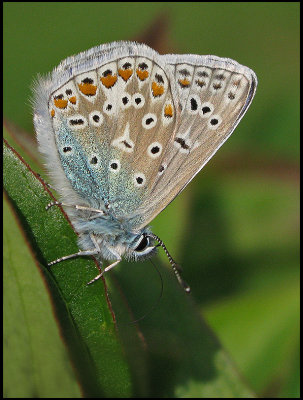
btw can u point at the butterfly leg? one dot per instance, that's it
(92, 252)
(58, 203)
(105, 270)
(80, 253)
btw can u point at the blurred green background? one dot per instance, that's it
(235, 229)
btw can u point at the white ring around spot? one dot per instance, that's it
(149, 124)
(139, 175)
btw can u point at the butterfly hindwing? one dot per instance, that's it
(212, 95)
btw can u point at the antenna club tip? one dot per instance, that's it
(187, 289)
(185, 286)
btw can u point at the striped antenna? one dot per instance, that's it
(176, 267)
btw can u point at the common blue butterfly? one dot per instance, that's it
(124, 129)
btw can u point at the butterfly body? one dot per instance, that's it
(124, 130)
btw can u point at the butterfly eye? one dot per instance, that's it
(143, 244)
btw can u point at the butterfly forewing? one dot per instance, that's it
(112, 125)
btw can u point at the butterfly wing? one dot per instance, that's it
(127, 129)
(141, 102)
(97, 118)
(211, 95)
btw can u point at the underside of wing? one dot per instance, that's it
(111, 117)
(212, 95)
(126, 129)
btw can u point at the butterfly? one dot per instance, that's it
(123, 131)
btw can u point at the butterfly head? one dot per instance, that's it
(113, 240)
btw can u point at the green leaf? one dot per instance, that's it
(35, 359)
(84, 312)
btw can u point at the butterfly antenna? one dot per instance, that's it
(176, 267)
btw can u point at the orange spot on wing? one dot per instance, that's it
(73, 100)
(125, 74)
(87, 89)
(157, 90)
(109, 80)
(60, 103)
(142, 75)
(52, 113)
(184, 82)
(168, 110)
